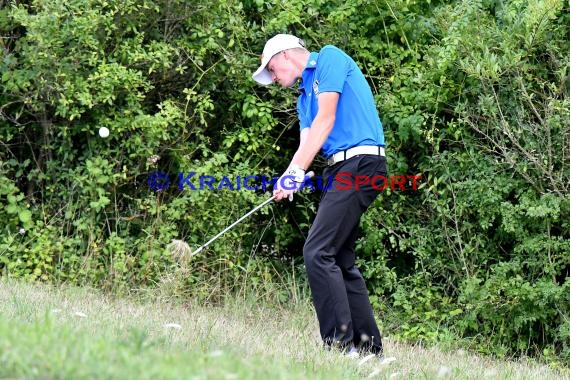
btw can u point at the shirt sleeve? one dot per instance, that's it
(332, 70)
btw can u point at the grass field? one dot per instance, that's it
(77, 333)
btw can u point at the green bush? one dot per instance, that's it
(473, 96)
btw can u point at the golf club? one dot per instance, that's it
(181, 250)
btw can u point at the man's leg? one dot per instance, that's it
(335, 228)
(367, 336)
(335, 219)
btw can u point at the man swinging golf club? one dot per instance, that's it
(337, 115)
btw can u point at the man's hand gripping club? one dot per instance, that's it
(290, 182)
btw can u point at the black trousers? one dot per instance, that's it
(337, 286)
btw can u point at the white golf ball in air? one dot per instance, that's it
(103, 132)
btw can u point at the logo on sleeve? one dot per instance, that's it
(316, 87)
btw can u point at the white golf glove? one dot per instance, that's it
(292, 180)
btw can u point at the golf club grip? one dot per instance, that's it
(308, 176)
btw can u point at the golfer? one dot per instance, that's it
(337, 115)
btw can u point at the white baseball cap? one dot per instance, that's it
(274, 45)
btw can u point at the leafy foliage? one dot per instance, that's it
(473, 96)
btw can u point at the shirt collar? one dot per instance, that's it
(307, 72)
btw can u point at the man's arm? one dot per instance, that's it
(312, 139)
(315, 137)
(303, 137)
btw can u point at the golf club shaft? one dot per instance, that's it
(232, 225)
(308, 175)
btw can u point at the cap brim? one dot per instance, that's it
(262, 75)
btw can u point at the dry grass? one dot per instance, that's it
(234, 341)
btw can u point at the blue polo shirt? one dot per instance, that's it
(357, 121)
